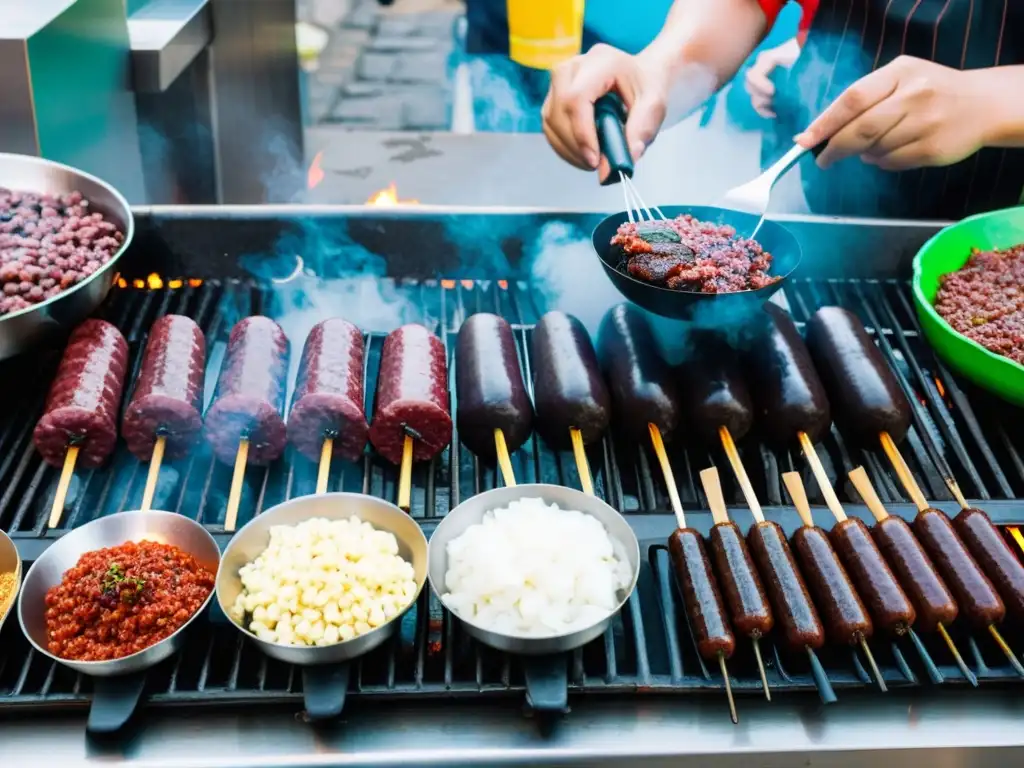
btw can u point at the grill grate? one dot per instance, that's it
(648, 648)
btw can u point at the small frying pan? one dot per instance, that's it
(682, 305)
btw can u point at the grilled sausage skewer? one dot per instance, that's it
(936, 607)
(845, 615)
(744, 593)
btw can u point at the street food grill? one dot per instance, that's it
(653, 642)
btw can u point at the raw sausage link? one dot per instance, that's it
(567, 385)
(744, 593)
(643, 386)
(866, 398)
(888, 603)
(700, 595)
(791, 604)
(85, 396)
(328, 399)
(971, 587)
(249, 400)
(846, 618)
(489, 387)
(788, 395)
(934, 603)
(994, 556)
(168, 397)
(412, 393)
(713, 389)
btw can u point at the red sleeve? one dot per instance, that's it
(772, 9)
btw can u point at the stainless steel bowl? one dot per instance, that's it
(472, 512)
(10, 562)
(111, 531)
(250, 542)
(25, 328)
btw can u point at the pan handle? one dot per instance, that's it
(114, 701)
(610, 121)
(323, 689)
(547, 682)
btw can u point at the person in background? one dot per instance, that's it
(758, 79)
(917, 99)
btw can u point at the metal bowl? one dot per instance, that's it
(10, 562)
(25, 328)
(253, 539)
(112, 531)
(472, 512)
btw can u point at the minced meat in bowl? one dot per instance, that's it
(984, 300)
(686, 254)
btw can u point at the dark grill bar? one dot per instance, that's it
(649, 649)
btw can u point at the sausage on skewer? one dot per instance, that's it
(994, 556)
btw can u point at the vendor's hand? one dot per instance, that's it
(758, 78)
(908, 114)
(568, 111)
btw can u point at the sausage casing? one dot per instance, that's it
(932, 599)
(744, 593)
(701, 597)
(973, 591)
(846, 618)
(713, 389)
(994, 556)
(791, 603)
(888, 603)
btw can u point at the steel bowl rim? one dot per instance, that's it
(128, 235)
(602, 254)
(381, 633)
(552, 639)
(84, 667)
(18, 567)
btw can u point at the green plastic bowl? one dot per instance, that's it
(947, 252)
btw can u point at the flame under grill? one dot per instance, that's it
(648, 648)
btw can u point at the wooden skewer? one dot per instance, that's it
(741, 474)
(954, 488)
(903, 471)
(831, 500)
(860, 480)
(324, 470)
(1005, 648)
(796, 490)
(582, 465)
(666, 470)
(66, 473)
(154, 472)
(716, 502)
(504, 460)
(405, 474)
(235, 495)
(728, 689)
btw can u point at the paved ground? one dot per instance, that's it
(385, 67)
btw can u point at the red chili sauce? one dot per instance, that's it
(118, 601)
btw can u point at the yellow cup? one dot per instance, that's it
(544, 33)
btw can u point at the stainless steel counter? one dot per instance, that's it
(965, 729)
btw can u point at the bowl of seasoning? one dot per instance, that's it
(10, 576)
(115, 596)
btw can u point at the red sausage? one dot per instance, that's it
(81, 407)
(994, 556)
(700, 595)
(744, 593)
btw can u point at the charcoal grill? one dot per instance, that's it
(201, 262)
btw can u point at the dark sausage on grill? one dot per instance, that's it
(489, 386)
(931, 597)
(249, 399)
(328, 399)
(168, 397)
(642, 384)
(412, 395)
(788, 395)
(791, 604)
(866, 398)
(994, 556)
(846, 618)
(744, 593)
(569, 392)
(81, 407)
(972, 589)
(888, 603)
(700, 595)
(713, 389)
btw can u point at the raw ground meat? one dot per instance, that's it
(984, 301)
(685, 254)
